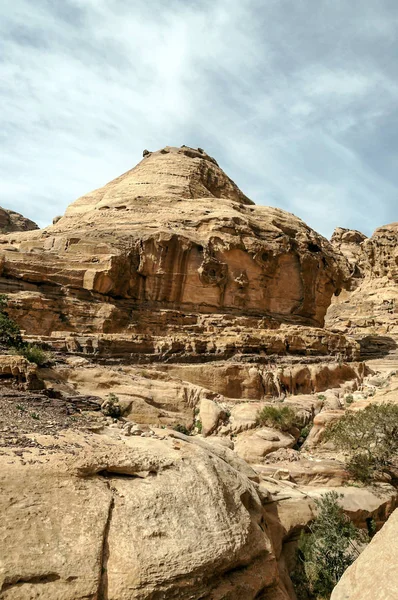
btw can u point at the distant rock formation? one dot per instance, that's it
(11, 221)
(369, 305)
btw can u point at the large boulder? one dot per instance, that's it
(374, 575)
(134, 518)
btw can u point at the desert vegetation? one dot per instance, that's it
(330, 545)
(10, 337)
(369, 437)
(279, 417)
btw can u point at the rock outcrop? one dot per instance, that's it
(367, 309)
(11, 221)
(374, 575)
(137, 518)
(172, 305)
(172, 245)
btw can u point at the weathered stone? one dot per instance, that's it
(254, 445)
(374, 575)
(164, 245)
(11, 221)
(100, 524)
(209, 414)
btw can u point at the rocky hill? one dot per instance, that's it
(133, 457)
(368, 308)
(11, 221)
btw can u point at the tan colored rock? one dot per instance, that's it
(14, 367)
(209, 414)
(368, 309)
(160, 249)
(254, 445)
(321, 421)
(259, 382)
(131, 519)
(374, 575)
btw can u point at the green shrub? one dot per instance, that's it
(279, 417)
(321, 397)
(199, 426)
(349, 399)
(369, 436)
(34, 354)
(10, 334)
(181, 429)
(304, 433)
(324, 553)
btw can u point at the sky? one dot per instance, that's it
(296, 99)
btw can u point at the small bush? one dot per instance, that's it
(199, 426)
(304, 433)
(10, 334)
(326, 551)
(321, 397)
(361, 467)
(349, 399)
(369, 436)
(282, 418)
(181, 429)
(34, 354)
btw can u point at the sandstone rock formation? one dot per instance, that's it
(11, 221)
(374, 575)
(168, 294)
(368, 309)
(173, 247)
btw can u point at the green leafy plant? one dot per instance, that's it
(327, 550)
(279, 417)
(10, 336)
(34, 415)
(199, 426)
(321, 397)
(369, 436)
(349, 399)
(304, 433)
(181, 429)
(34, 354)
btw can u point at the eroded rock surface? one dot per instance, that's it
(368, 309)
(374, 575)
(173, 233)
(11, 221)
(98, 517)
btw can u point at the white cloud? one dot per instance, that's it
(295, 105)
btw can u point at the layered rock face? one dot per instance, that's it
(374, 575)
(141, 282)
(11, 221)
(368, 308)
(173, 234)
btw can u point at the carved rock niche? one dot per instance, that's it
(212, 272)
